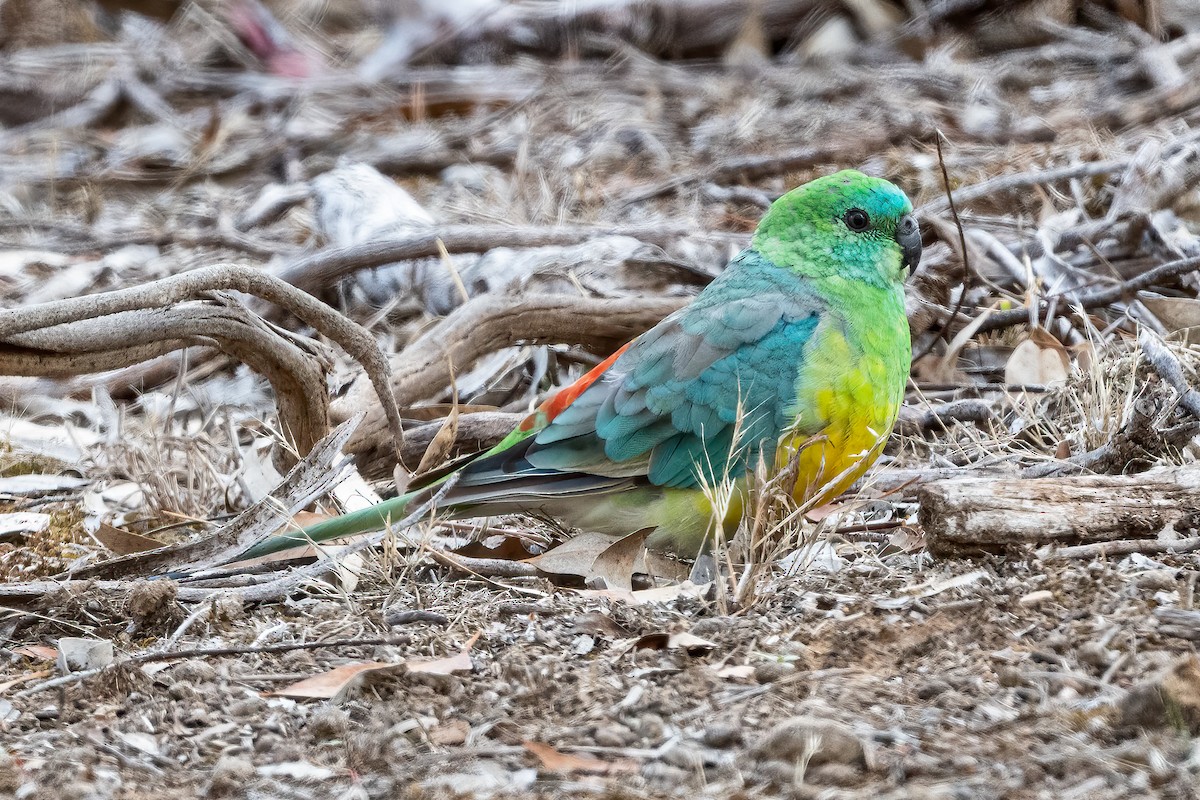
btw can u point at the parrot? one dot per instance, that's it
(799, 350)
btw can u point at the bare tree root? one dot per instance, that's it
(124, 327)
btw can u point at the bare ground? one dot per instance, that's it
(876, 682)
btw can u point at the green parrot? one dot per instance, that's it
(801, 344)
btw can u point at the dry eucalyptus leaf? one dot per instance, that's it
(39, 651)
(442, 444)
(459, 662)
(451, 732)
(555, 761)
(346, 569)
(336, 682)
(616, 562)
(1034, 363)
(29, 676)
(123, 542)
(1179, 315)
(574, 556)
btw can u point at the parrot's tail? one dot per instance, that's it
(374, 518)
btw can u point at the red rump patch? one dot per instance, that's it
(553, 405)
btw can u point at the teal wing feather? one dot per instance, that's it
(697, 398)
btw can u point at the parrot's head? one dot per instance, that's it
(847, 224)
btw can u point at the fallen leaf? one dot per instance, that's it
(1039, 360)
(556, 761)
(615, 563)
(346, 570)
(574, 556)
(39, 651)
(334, 683)
(452, 732)
(903, 540)
(28, 676)
(661, 565)
(442, 443)
(459, 662)
(680, 640)
(1179, 315)
(122, 542)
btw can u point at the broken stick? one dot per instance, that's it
(986, 515)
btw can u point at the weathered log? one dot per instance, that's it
(973, 516)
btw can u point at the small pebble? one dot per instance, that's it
(817, 740)
(721, 735)
(1034, 599)
(614, 736)
(1157, 580)
(932, 689)
(771, 671)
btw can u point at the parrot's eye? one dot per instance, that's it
(857, 220)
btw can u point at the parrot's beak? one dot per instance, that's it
(908, 235)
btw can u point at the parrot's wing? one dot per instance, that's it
(696, 398)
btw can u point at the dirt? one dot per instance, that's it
(1026, 682)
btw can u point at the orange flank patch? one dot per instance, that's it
(553, 405)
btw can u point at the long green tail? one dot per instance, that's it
(374, 518)
(392, 511)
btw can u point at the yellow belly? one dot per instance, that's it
(847, 402)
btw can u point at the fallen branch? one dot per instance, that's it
(1138, 444)
(1179, 622)
(309, 479)
(1170, 370)
(316, 272)
(982, 515)
(1122, 548)
(475, 433)
(294, 366)
(1163, 275)
(167, 292)
(204, 652)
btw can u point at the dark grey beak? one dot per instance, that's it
(908, 235)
